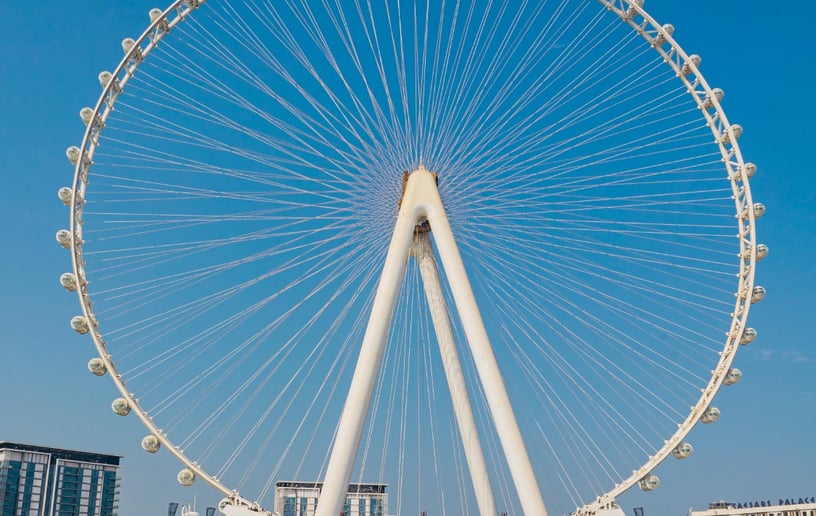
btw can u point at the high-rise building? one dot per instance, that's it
(43, 481)
(300, 499)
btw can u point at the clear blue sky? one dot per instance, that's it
(761, 55)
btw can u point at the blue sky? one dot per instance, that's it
(762, 57)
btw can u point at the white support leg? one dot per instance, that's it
(518, 461)
(420, 202)
(462, 408)
(369, 363)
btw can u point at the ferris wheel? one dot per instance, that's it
(487, 253)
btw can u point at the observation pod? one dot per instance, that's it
(151, 443)
(761, 251)
(748, 336)
(683, 451)
(97, 366)
(121, 406)
(693, 60)
(186, 477)
(732, 376)
(64, 238)
(72, 153)
(80, 324)
(757, 294)
(759, 210)
(105, 78)
(710, 415)
(128, 44)
(649, 482)
(65, 194)
(86, 115)
(68, 281)
(750, 170)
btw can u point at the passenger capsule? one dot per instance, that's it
(121, 406)
(80, 324)
(155, 14)
(128, 44)
(757, 294)
(716, 93)
(105, 78)
(761, 252)
(750, 170)
(668, 28)
(151, 443)
(97, 366)
(649, 482)
(732, 134)
(694, 60)
(748, 336)
(186, 477)
(68, 281)
(86, 114)
(72, 153)
(759, 210)
(683, 451)
(64, 238)
(65, 195)
(732, 376)
(710, 415)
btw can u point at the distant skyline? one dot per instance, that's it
(761, 449)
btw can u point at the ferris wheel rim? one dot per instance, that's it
(631, 12)
(140, 48)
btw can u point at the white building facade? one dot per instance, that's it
(300, 499)
(784, 508)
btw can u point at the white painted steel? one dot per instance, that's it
(632, 13)
(369, 362)
(420, 202)
(501, 409)
(468, 433)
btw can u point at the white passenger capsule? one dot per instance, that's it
(761, 252)
(65, 195)
(683, 451)
(758, 294)
(732, 376)
(151, 443)
(64, 238)
(105, 78)
(186, 477)
(649, 482)
(748, 336)
(759, 210)
(155, 14)
(97, 366)
(68, 281)
(86, 114)
(750, 170)
(121, 406)
(693, 59)
(668, 28)
(716, 93)
(127, 44)
(72, 153)
(80, 324)
(710, 415)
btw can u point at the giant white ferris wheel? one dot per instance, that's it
(488, 253)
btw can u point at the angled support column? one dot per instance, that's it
(462, 408)
(421, 202)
